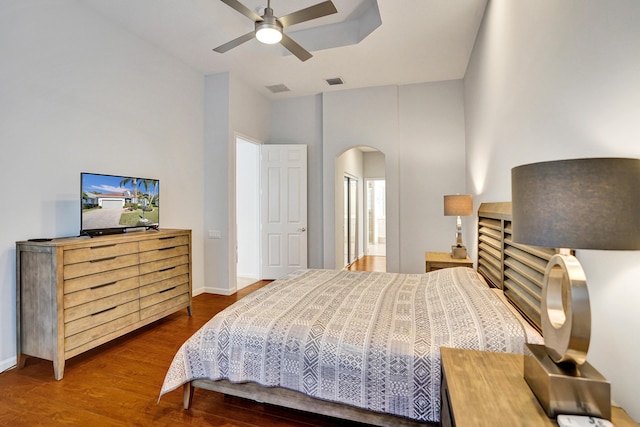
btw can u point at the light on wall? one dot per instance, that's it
(458, 205)
(580, 204)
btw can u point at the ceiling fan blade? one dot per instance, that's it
(312, 12)
(295, 48)
(235, 42)
(235, 4)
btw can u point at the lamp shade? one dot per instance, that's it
(458, 205)
(591, 203)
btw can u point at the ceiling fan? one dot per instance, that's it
(268, 28)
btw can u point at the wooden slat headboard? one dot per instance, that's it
(516, 269)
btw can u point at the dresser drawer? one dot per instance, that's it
(113, 322)
(163, 242)
(163, 285)
(99, 265)
(163, 274)
(163, 264)
(164, 302)
(99, 292)
(164, 295)
(97, 252)
(163, 253)
(93, 313)
(100, 279)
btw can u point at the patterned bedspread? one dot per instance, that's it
(370, 340)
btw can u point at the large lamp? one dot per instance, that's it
(458, 205)
(589, 203)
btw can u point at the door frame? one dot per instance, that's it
(351, 202)
(240, 248)
(232, 213)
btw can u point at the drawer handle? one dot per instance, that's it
(103, 285)
(167, 237)
(166, 249)
(103, 259)
(167, 290)
(104, 311)
(166, 269)
(103, 246)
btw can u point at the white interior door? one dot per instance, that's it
(283, 170)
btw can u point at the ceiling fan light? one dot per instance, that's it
(268, 35)
(269, 30)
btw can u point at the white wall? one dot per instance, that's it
(394, 120)
(81, 94)
(217, 178)
(231, 109)
(373, 165)
(432, 164)
(361, 117)
(551, 80)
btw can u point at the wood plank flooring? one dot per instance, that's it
(117, 384)
(370, 263)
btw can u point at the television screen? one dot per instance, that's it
(113, 204)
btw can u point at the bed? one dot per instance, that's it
(361, 346)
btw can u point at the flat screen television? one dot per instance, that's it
(112, 204)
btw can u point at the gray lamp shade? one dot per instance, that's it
(578, 204)
(458, 205)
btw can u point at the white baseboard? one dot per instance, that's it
(217, 291)
(8, 363)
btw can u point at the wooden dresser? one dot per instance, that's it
(76, 293)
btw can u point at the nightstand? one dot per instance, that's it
(481, 388)
(438, 260)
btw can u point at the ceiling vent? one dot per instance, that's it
(278, 88)
(335, 81)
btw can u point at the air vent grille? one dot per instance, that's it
(278, 88)
(335, 81)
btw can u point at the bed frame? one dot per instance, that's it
(516, 269)
(296, 400)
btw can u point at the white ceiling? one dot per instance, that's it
(418, 41)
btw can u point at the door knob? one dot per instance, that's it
(302, 229)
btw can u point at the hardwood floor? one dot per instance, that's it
(117, 384)
(370, 263)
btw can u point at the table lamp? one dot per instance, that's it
(591, 203)
(458, 205)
